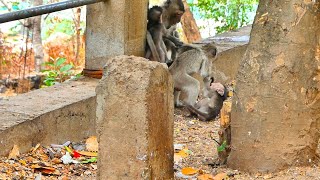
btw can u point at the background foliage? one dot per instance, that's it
(231, 13)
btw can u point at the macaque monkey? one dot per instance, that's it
(156, 50)
(209, 107)
(191, 60)
(161, 36)
(172, 13)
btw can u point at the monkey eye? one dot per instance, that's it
(179, 13)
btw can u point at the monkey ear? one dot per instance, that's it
(212, 80)
(214, 52)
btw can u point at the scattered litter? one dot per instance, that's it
(180, 175)
(67, 159)
(38, 177)
(61, 146)
(178, 146)
(79, 146)
(91, 160)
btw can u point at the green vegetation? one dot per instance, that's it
(58, 71)
(231, 13)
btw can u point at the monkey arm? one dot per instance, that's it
(173, 39)
(203, 116)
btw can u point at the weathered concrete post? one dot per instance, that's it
(135, 120)
(115, 27)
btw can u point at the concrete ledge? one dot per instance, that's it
(231, 47)
(49, 115)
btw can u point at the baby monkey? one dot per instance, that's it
(209, 107)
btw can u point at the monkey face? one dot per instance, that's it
(178, 16)
(218, 87)
(176, 10)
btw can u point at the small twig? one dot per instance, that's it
(217, 142)
(26, 54)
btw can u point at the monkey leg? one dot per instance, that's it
(152, 47)
(148, 54)
(161, 52)
(191, 88)
(177, 102)
(165, 51)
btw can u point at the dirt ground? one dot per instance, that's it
(197, 136)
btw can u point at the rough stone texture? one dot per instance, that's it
(50, 115)
(231, 47)
(135, 120)
(225, 67)
(275, 112)
(115, 28)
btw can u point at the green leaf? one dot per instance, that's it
(78, 75)
(66, 68)
(222, 147)
(52, 74)
(60, 61)
(49, 81)
(49, 63)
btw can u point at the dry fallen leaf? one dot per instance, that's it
(206, 177)
(183, 153)
(221, 176)
(189, 171)
(35, 148)
(180, 155)
(23, 162)
(14, 152)
(92, 144)
(56, 161)
(85, 153)
(45, 170)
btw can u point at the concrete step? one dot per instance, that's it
(49, 115)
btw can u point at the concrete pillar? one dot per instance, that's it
(115, 27)
(135, 120)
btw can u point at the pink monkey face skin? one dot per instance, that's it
(218, 87)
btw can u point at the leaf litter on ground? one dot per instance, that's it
(48, 162)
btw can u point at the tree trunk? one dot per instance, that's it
(77, 21)
(189, 25)
(37, 41)
(276, 109)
